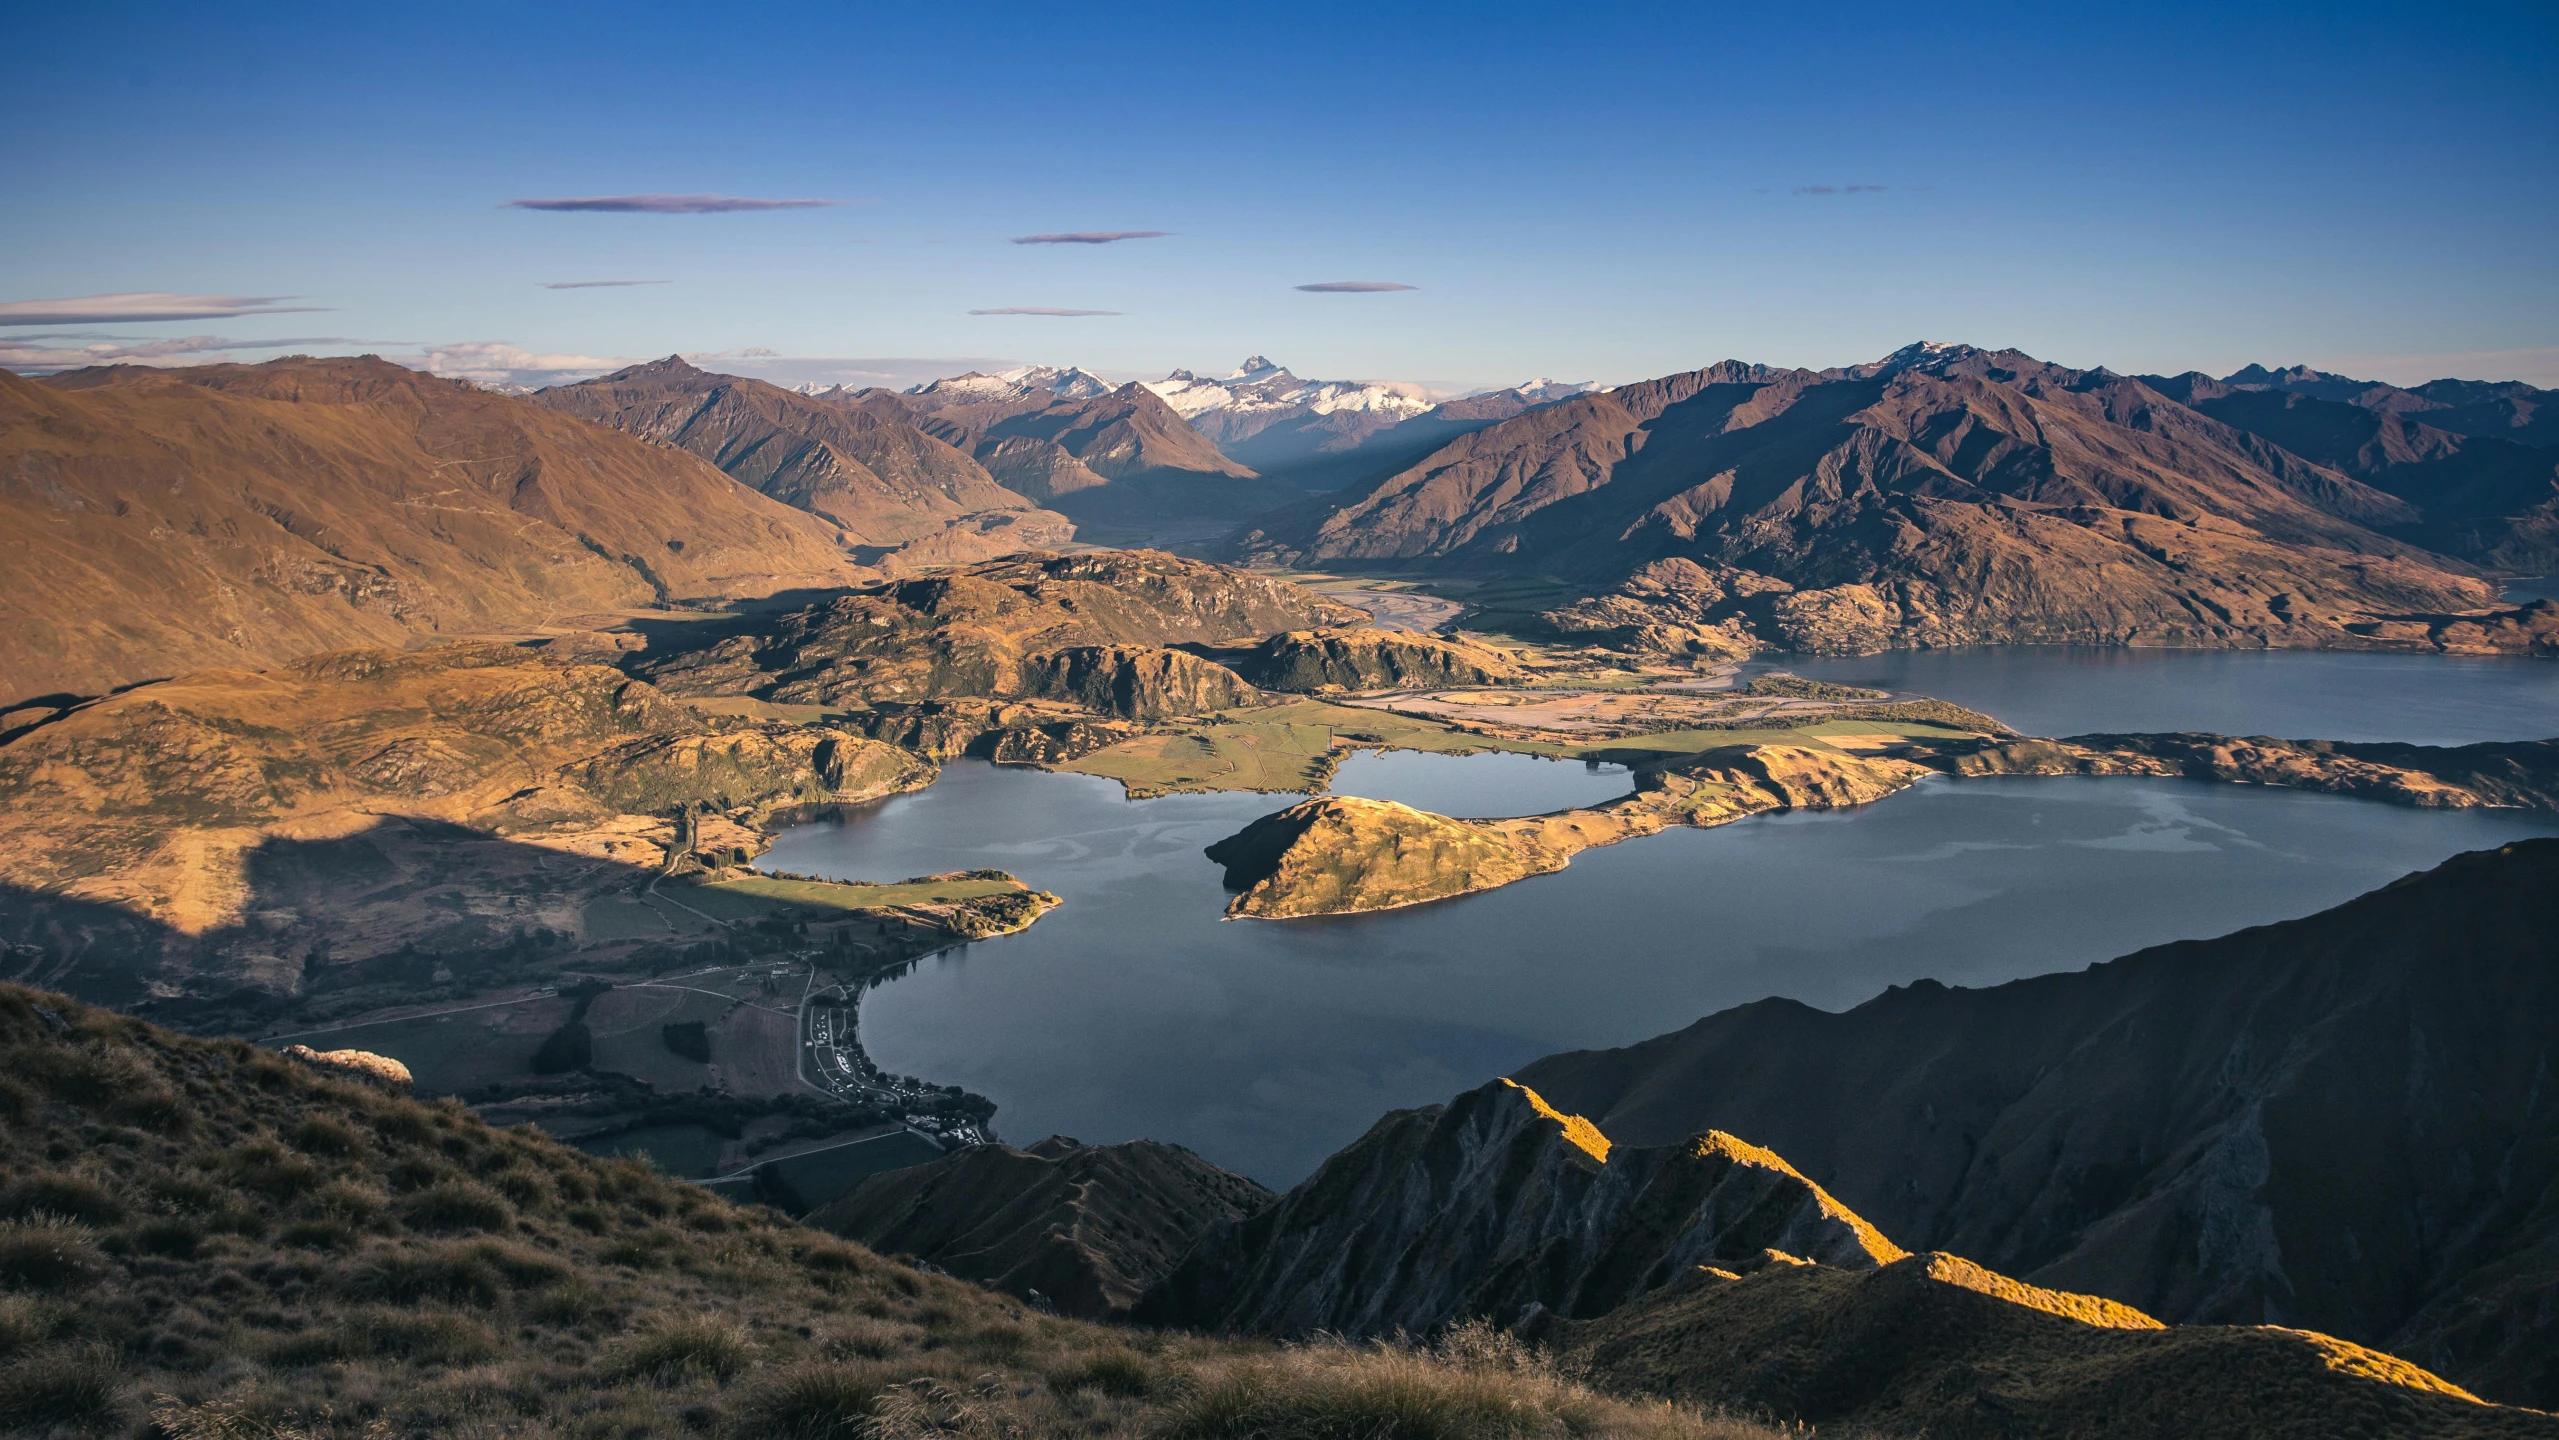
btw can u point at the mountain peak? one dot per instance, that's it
(1256, 366)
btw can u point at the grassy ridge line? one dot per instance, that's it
(211, 1240)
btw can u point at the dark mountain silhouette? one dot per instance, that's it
(2341, 1122)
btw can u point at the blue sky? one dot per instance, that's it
(1590, 196)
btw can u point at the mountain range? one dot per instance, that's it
(1942, 495)
(895, 493)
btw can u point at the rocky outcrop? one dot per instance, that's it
(1134, 682)
(1081, 1228)
(1339, 854)
(2341, 1122)
(167, 521)
(1497, 1205)
(972, 633)
(1934, 1344)
(1370, 659)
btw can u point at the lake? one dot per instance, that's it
(1135, 1010)
(2294, 694)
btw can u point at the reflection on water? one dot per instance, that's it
(2296, 694)
(1135, 1011)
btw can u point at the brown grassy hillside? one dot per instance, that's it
(169, 520)
(203, 1239)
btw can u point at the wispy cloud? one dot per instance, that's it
(504, 364)
(43, 354)
(1089, 237)
(1355, 287)
(135, 306)
(597, 284)
(1039, 310)
(665, 204)
(1841, 189)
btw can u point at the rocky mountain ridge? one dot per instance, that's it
(1942, 495)
(900, 496)
(2336, 1122)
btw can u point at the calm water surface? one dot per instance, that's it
(1135, 1011)
(2297, 694)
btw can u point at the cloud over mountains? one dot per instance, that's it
(665, 204)
(135, 306)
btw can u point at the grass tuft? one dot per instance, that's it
(680, 1349)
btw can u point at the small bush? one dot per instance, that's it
(269, 1169)
(679, 1349)
(816, 1402)
(25, 1323)
(325, 1135)
(176, 1238)
(574, 1304)
(864, 1338)
(442, 1273)
(64, 1193)
(1123, 1373)
(47, 1254)
(457, 1205)
(81, 1387)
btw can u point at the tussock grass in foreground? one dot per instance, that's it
(263, 1252)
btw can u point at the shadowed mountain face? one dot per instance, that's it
(168, 520)
(1119, 454)
(2340, 1122)
(888, 485)
(1087, 1227)
(1943, 495)
(2479, 461)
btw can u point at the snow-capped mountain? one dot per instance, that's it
(1260, 394)
(1024, 382)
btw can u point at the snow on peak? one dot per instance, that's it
(1544, 389)
(1260, 387)
(1023, 382)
